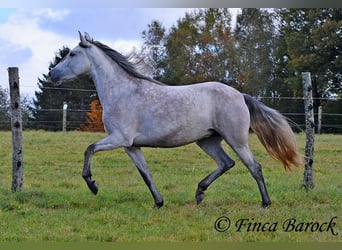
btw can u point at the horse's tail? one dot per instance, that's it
(274, 133)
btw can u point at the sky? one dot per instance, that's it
(29, 38)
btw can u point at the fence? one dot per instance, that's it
(291, 107)
(328, 118)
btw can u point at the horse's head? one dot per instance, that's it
(74, 64)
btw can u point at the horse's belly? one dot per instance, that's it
(172, 139)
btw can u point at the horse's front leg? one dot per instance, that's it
(139, 160)
(86, 169)
(108, 143)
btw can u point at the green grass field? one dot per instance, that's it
(56, 205)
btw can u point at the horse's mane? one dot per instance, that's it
(123, 62)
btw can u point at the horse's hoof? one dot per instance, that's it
(158, 205)
(199, 197)
(265, 205)
(93, 187)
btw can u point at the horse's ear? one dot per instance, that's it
(83, 42)
(87, 37)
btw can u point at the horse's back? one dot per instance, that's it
(225, 99)
(214, 103)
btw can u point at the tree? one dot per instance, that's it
(94, 118)
(5, 119)
(154, 48)
(199, 48)
(313, 42)
(5, 110)
(47, 106)
(255, 43)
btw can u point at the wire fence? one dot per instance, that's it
(291, 107)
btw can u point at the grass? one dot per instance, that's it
(56, 205)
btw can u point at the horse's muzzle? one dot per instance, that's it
(54, 78)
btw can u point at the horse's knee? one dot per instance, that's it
(90, 150)
(226, 165)
(230, 164)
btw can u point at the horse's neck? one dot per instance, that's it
(110, 80)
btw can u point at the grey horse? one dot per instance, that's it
(141, 112)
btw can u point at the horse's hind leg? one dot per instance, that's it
(212, 146)
(254, 167)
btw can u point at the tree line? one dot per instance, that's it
(262, 55)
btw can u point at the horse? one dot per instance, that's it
(139, 111)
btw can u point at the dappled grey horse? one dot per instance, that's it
(141, 112)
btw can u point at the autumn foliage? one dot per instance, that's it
(94, 118)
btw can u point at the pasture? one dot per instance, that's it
(56, 204)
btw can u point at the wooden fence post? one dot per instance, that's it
(308, 181)
(16, 124)
(65, 107)
(319, 128)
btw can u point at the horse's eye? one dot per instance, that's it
(72, 54)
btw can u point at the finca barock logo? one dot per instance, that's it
(223, 223)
